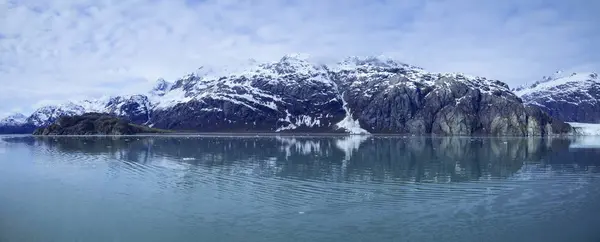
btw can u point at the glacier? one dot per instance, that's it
(585, 129)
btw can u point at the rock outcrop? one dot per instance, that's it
(93, 124)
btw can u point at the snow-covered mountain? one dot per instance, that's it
(15, 124)
(135, 108)
(356, 95)
(14, 120)
(572, 97)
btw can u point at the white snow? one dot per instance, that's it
(586, 129)
(299, 121)
(172, 98)
(349, 124)
(43, 115)
(211, 110)
(96, 105)
(289, 125)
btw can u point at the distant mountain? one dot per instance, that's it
(14, 119)
(572, 97)
(357, 95)
(135, 108)
(15, 124)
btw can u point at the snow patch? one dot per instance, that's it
(173, 98)
(287, 119)
(299, 121)
(211, 110)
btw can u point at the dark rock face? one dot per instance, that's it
(540, 121)
(391, 102)
(572, 98)
(92, 124)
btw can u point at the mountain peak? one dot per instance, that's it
(292, 63)
(296, 56)
(380, 61)
(160, 87)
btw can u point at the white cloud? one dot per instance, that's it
(64, 49)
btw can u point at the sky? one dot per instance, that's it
(52, 51)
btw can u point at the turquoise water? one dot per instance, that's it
(352, 188)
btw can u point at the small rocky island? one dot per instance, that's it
(94, 124)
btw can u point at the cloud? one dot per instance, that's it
(66, 49)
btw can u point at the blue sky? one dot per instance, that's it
(56, 50)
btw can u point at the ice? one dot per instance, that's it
(586, 129)
(349, 124)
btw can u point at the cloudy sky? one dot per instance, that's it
(56, 50)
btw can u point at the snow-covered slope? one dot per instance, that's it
(48, 114)
(573, 97)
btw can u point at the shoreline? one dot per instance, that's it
(296, 135)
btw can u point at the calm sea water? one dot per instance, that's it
(353, 188)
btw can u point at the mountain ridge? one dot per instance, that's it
(571, 97)
(357, 95)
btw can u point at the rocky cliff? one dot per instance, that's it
(357, 95)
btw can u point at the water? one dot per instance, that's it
(299, 189)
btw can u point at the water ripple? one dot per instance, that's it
(353, 188)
